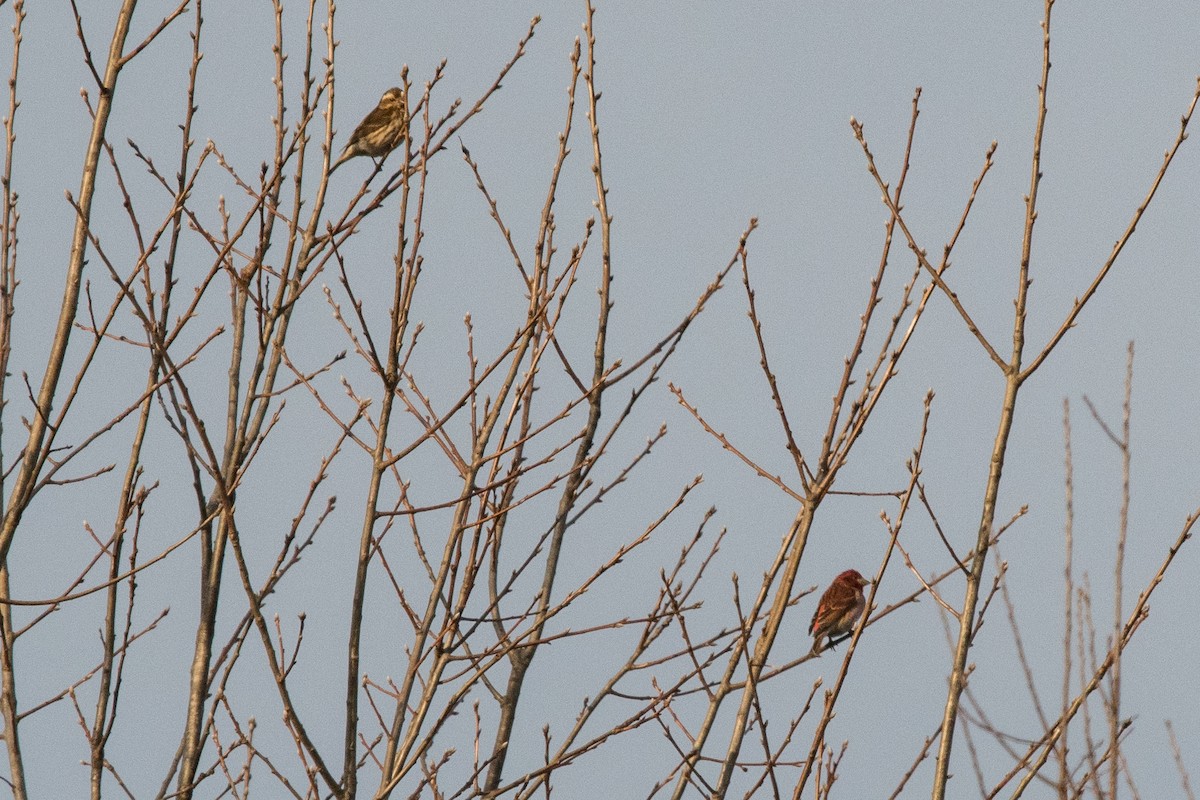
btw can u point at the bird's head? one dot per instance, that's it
(852, 577)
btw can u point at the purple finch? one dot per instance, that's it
(381, 131)
(839, 609)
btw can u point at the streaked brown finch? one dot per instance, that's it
(839, 608)
(381, 131)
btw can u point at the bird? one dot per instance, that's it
(839, 608)
(381, 131)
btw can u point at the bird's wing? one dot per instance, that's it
(838, 596)
(378, 117)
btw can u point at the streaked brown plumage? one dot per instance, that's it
(839, 608)
(381, 131)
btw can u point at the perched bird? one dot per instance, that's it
(381, 131)
(839, 608)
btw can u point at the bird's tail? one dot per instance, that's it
(342, 159)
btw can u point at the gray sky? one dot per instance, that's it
(711, 114)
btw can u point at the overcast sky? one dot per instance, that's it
(713, 113)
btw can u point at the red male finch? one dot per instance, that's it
(839, 609)
(381, 131)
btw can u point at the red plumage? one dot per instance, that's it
(839, 608)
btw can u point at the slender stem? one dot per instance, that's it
(34, 454)
(1012, 385)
